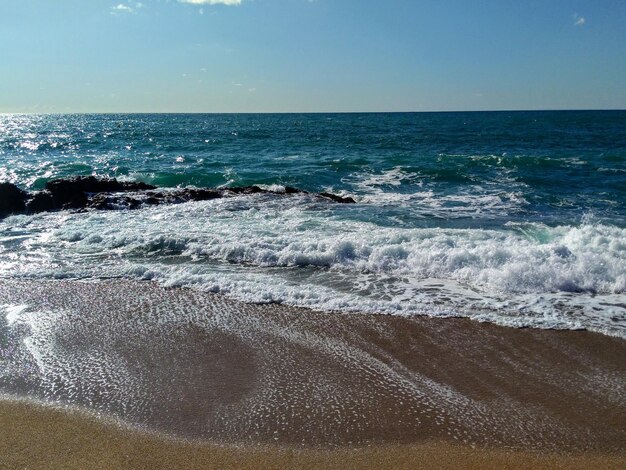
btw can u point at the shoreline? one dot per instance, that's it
(276, 383)
(41, 436)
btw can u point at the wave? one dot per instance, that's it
(309, 253)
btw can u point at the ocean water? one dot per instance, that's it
(517, 218)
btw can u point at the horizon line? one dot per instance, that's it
(52, 113)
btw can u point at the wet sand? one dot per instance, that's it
(273, 386)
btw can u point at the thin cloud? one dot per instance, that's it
(121, 8)
(211, 2)
(580, 20)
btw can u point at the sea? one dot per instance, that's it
(515, 218)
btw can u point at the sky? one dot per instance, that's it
(311, 55)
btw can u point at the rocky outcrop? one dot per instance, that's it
(77, 193)
(12, 199)
(134, 200)
(339, 199)
(89, 192)
(73, 193)
(41, 201)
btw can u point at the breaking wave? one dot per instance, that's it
(303, 252)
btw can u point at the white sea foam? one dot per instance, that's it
(374, 181)
(386, 188)
(300, 251)
(275, 188)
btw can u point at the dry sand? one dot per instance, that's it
(275, 387)
(35, 437)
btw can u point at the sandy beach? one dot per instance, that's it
(32, 436)
(195, 380)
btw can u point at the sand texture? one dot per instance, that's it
(41, 438)
(242, 385)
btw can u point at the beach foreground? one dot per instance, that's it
(33, 437)
(181, 378)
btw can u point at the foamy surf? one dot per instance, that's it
(304, 252)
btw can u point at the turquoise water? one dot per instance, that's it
(513, 217)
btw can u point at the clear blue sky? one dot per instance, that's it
(311, 55)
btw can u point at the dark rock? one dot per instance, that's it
(292, 190)
(201, 194)
(136, 199)
(247, 190)
(101, 202)
(12, 199)
(258, 190)
(42, 201)
(339, 199)
(89, 192)
(72, 193)
(91, 184)
(116, 201)
(133, 203)
(135, 186)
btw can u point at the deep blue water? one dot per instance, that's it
(526, 210)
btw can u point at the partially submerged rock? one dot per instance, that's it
(41, 201)
(89, 192)
(136, 199)
(12, 199)
(339, 199)
(73, 193)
